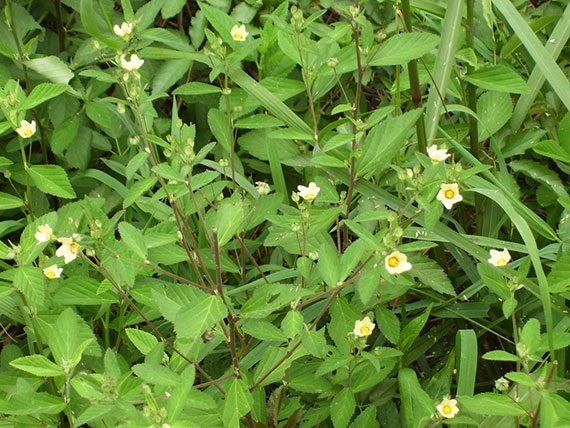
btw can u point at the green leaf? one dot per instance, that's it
(238, 402)
(263, 330)
(412, 330)
(499, 356)
(498, 78)
(52, 68)
(196, 88)
(64, 134)
(490, 403)
(495, 110)
(343, 317)
(194, 319)
(32, 403)
(84, 290)
(42, 93)
(135, 163)
(179, 396)
(228, 220)
(99, 113)
(314, 342)
(8, 202)
(521, 378)
(542, 174)
(68, 338)
(493, 279)
(90, 20)
(558, 276)
(220, 127)
(52, 179)
(417, 405)
(133, 238)
(404, 47)
(142, 340)
(342, 408)
(432, 275)
(37, 365)
(329, 263)
(366, 419)
(138, 189)
(388, 323)
(156, 374)
(551, 149)
(30, 281)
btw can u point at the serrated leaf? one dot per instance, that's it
(142, 340)
(432, 275)
(196, 88)
(489, 403)
(342, 408)
(388, 323)
(493, 279)
(52, 179)
(499, 356)
(314, 342)
(133, 238)
(237, 403)
(8, 202)
(139, 189)
(194, 319)
(135, 163)
(42, 93)
(219, 125)
(228, 220)
(263, 330)
(37, 365)
(156, 374)
(179, 396)
(542, 174)
(559, 276)
(32, 403)
(552, 150)
(30, 281)
(404, 47)
(498, 78)
(64, 134)
(329, 263)
(411, 331)
(52, 68)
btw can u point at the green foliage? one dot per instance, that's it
(279, 214)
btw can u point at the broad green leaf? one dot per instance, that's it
(551, 149)
(32, 403)
(343, 317)
(258, 121)
(489, 403)
(142, 340)
(498, 78)
(329, 263)
(92, 413)
(156, 374)
(196, 88)
(194, 319)
(90, 20)
(99, 113)
(263, 330)
(402, 48)
(342, 408)
(52, 179)
(366, 419)
(37, 365)
(493, 279)
(139, 189)
(220, 127)
(136, 162)
(530, 335)
(179, 396)
(64, 134)
(417, 405)
(52, 68)
(411, 331)
(292, 324)
(542, 174)
(521, 378)
(41, 93)
(84, 290)
(133, 238)
(238, 402)
(8, 202)
(66, 341)
(558, 276)
(466, 357)
(30, 281)
(388, 323)
(314, 342)
(228, 220)
(499, 356)
(432, 275)
(495, 109)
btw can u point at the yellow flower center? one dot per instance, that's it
(28, 132)
(50, 274)
(365, 330)
(447, 409)
(501, 261)
(238, 36)
(393, 262)
(449, 194)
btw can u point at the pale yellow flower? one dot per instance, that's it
(133, 65)
(239, 33)
(262, 187)
(449, 195)
(437, 155)
(363, 328)
(397, 262)
(499, 258)
(44, 233)
(448, 408)
(53, 272)
(26, 129)
(309, 193)
(124, 31)
(68, 249)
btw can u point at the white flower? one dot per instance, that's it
(68, 249)
(309, 193)
(44, 233)
(448, 408)
(437, 155)
(499, 258)
(124, 31)
(53, 272)
(26, 129)
(363, 328)
(397, 262)
(133, 65)
(262, 187)
(449, 195)
(239, 33)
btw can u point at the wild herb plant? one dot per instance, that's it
(280, 214)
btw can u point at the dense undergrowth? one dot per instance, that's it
(280, 214)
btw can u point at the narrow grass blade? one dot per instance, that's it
(444, 63)
(466, 357)
(539, 53)
(557, 42)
